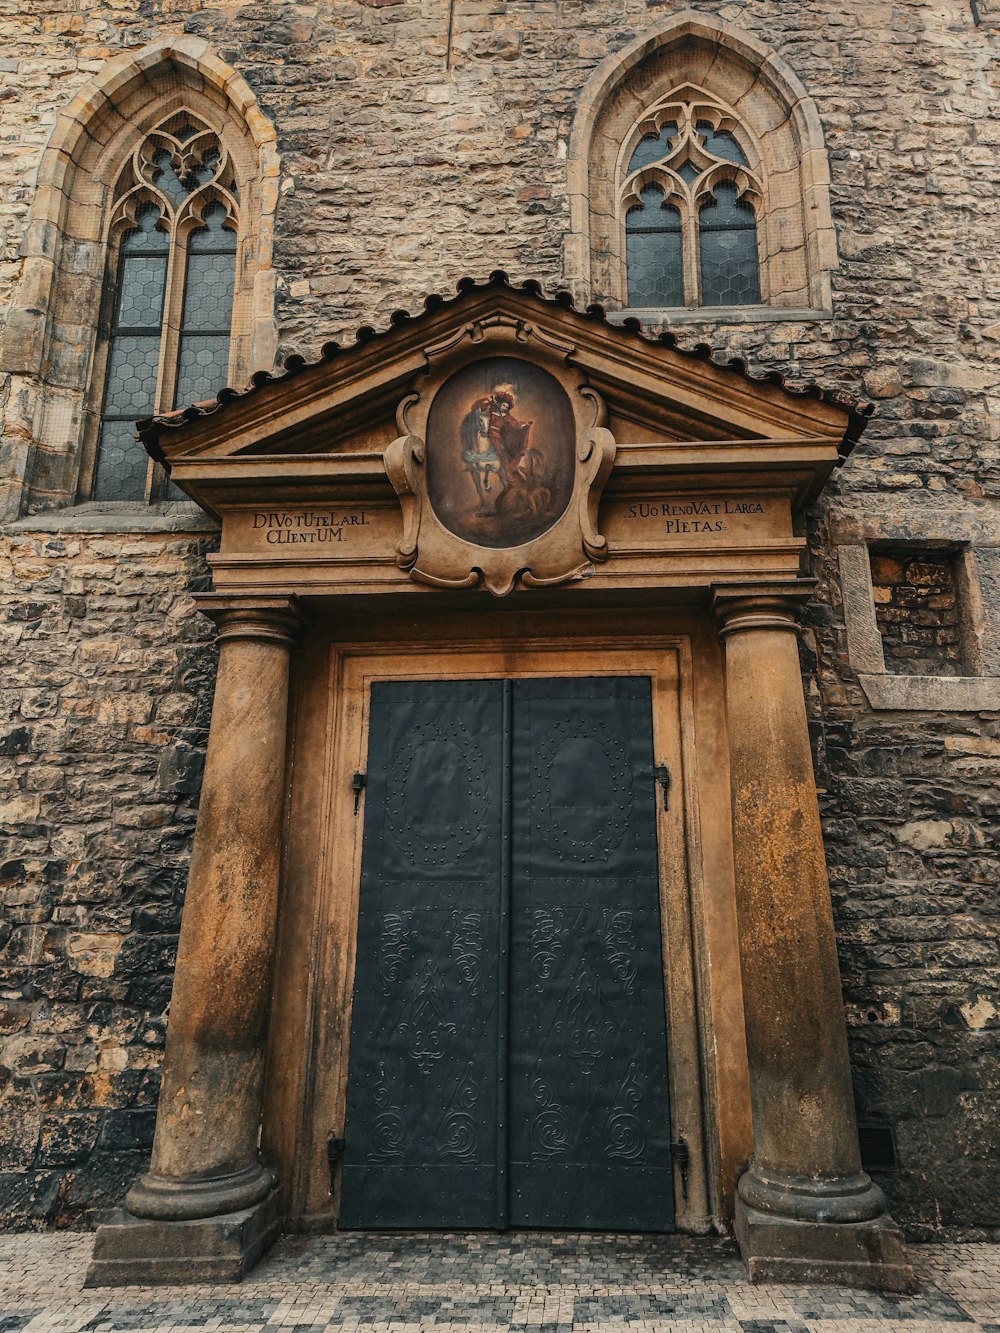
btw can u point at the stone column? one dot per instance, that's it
(209, 1206)
(806, 1211)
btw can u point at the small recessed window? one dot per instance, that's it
(918, 610)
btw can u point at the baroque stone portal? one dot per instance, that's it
(644, 507)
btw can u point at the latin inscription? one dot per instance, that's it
(307, 527)
(695, 522)
(695, 517)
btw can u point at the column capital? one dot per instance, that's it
(262, 618)
(774, 606)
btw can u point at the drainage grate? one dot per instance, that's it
(878, 1146)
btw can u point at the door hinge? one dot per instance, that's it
(662, 775)
(358, 786)
(334, 1153)
(682, 1157)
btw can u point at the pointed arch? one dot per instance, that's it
(56, 331)
(759, 98)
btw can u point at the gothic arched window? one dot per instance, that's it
(147, 277)
(169, 292)
(698, 181)
(688, 198)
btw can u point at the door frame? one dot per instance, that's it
(314, 982)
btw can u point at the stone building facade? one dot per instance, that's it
(380, 150)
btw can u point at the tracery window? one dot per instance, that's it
(689, 199)
(168, 293)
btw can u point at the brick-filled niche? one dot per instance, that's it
(918, 609)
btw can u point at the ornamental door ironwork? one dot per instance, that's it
(508, 1049)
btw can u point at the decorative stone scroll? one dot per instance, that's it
(501, 463)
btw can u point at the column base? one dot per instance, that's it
(868, 1254)
(165, 1199)
(134, 1251)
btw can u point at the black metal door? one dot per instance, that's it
(508, 1053)
(422, 1093)
(590, 1140)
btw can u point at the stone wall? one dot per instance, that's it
(106, 699)
(421, 140)
(908, 802)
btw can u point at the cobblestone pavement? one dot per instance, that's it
(489, 1282)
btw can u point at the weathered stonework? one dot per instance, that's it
(106, 697)
(917, 611)
(414, 151)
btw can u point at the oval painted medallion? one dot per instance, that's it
(500, 452)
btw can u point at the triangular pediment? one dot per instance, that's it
(349, 400)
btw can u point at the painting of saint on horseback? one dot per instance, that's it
(500, 452)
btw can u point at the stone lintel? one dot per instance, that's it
(947, 519)
(933, 694)
(662, 317)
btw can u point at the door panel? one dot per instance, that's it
(422, 1090)
(590, 1142)
(508, 1053)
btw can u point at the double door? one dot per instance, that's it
(508, 1054)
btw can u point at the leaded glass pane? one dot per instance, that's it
(730, 272)
(142, 279)
(121, 465)
(147, 236)
(133, 357)
(653, 147)
(720, 143)
(654, 252)
(131, 381)
(165, 178)
(208, 309)
(214, 236)
(206, 168)
(202, 367)
(208, 293)
(689, 172)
